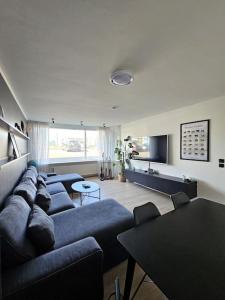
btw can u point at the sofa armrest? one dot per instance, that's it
(70, 272)
(51, 174)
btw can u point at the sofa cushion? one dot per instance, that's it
(41, 230)
(26, 190)
(103, 220)
(40, 180)
(43, 198)
(16, 247)
(34, 169)
(31, 175)
(60, 202)
(66, 179)
(28, 181)
(55, 188)
(43, 175)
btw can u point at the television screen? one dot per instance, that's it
(153, 148)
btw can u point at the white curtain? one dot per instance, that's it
(38, 144)
(108, 137)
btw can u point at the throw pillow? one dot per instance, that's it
(27, 191)
(43, 175)
(41, 230)
(40, 180)
(31, 175)
(34, 169)
(16, 247)
(43, 198)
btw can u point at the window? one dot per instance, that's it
(72, 144)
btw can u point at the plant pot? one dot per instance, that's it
(121, 178)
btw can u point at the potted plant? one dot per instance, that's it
(120, 155)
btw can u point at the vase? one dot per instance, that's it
(121, 178)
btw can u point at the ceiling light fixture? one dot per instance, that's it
(121, 77)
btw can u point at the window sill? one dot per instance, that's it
(71, 161)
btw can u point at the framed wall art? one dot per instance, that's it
(15, 147)
(194, 140)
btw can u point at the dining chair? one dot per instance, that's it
(143, 214)
(179, 199)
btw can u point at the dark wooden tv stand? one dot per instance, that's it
(163, 183)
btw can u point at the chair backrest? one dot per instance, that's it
(179, 199)
(145, 213)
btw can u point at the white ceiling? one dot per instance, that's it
(58, 55)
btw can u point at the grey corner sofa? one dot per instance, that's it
(85, 247)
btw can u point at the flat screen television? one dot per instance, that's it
(151, 148)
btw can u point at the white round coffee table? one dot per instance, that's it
(85, 188)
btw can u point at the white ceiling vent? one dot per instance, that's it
(121, 77)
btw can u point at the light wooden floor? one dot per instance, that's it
(131, 195)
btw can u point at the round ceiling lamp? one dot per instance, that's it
(121, 77)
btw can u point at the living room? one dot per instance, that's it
(112, 150)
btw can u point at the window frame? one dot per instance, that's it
(67, 160)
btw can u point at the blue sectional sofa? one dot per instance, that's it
(85, 246)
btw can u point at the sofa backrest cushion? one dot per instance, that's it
(31, 175)
(16, 247)
(27, 190)
(40, 180)
(43, 198)
(34, 169)
(41, 230)
(43, 175)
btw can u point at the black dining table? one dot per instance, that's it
(183, 251)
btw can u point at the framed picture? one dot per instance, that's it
(194, 140)
(15, 147)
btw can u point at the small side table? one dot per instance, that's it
(85, 192)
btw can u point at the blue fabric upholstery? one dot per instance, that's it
(34, 169)
(55, 188)
(26, 190)
(71, 272)
(103, 220)
(31, 175)
(43, 175)
(66, 179)
(16, 247)
(60, 202)
(40, 180)
(41, 230)
(43, 198)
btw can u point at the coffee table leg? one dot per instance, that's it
(129, 277)
(99, 194)
(81, 199)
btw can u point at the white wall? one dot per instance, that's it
(211, 178)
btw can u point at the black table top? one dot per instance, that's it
(183, 251)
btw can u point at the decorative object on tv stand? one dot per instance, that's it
(194, 141)
(16, 152)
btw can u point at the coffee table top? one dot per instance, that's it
(78, 187)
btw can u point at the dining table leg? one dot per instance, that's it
(129, 277)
